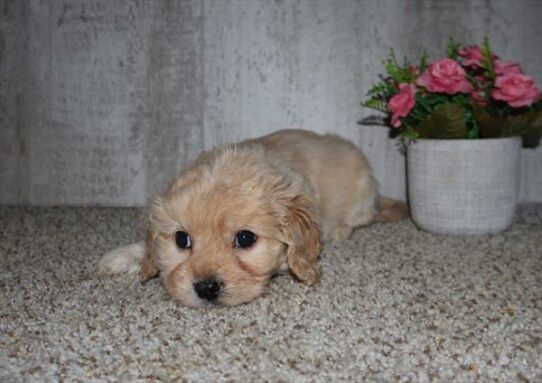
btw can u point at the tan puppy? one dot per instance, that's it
(244, 212)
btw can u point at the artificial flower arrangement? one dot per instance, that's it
(471, 93)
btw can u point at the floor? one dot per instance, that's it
(395, 304)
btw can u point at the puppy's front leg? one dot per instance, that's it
(125, 259)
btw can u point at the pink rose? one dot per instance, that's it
(516, 89)
(506, 67)
(402, 103)
(445, 76)
(472, 56)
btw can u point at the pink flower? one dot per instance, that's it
(507, 67)
(402, 103)
(473, 57)
(516, 89)
(445, 76)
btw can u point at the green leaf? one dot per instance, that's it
(447, 121)
(375, 104)
(507, 126)
(472, 124)
(528, 122)
(452, 49)
(423, 61)
(420, 100)
(487, 62)
(490, 127)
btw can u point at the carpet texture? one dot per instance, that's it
(394, 304)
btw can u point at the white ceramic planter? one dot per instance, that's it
(463, 186)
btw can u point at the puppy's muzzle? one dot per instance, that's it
(208, 289)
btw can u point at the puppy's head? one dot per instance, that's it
(230, 223)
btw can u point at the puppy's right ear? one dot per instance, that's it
(304, 239)
(148, 265)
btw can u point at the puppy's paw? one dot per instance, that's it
(338, 233)
(125, 259)
(391, 210)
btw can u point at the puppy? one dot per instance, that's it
(244, 212)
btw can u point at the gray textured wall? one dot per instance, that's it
(103, 102)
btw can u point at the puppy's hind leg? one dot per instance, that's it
(125, 259)
(363, 206)
(390, 210)
(357, 208)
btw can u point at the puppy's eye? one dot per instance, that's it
(244, 239)
(183, 240)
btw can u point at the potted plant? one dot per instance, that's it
(462, 117)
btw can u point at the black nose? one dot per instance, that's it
(208, 289)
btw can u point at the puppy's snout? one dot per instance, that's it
(208, 289)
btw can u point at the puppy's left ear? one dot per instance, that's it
(303, 234)
(148, 265)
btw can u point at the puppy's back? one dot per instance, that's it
(337, 170)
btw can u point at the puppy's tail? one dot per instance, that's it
(390, 210)
(125, 259)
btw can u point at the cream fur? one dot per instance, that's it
(292, 188)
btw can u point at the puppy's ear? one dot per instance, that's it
(148, 265)
(303, 234)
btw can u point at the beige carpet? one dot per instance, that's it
(395, 305)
